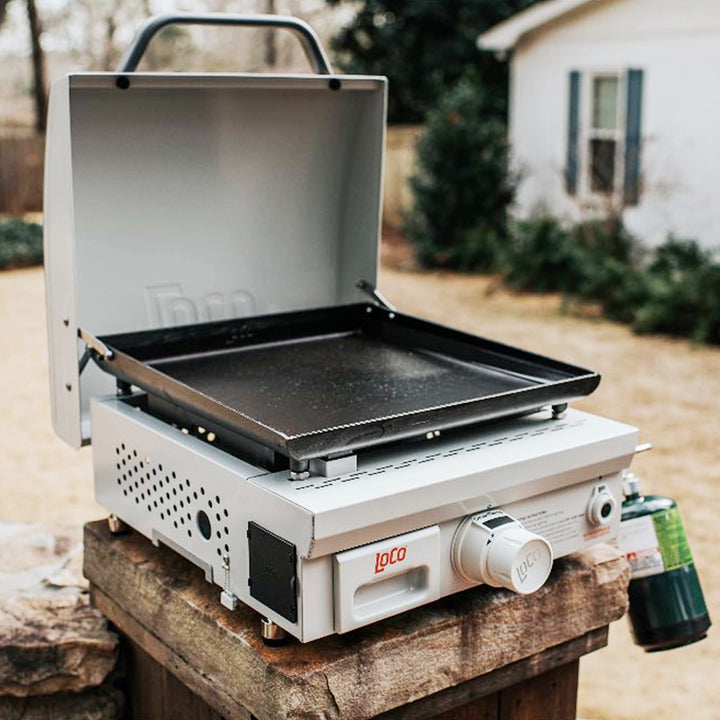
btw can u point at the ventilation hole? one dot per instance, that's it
(227, 549)
(149, 508)
(189, 533)
(119, 481)
(174, 508)
(117, 465)
(195, 495)
(219, 552)
(167, 495)
(122, 445)
(175, 523)
(125, 493)
(160, 467)
(182, 520)
(217, 516)
(142, 496)
(174, 491)
(217, 499)
(135, 453)
(154, 488)
(162, 515)
(219, 536)
(124, 461)
(173, 475)
(155, 503)
(202, 490)
(187, 482)
(189, 516)
(226, 513)
(117, 451)
(137, 500)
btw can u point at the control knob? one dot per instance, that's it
(494, 548)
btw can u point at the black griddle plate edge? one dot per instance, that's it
(133, 355)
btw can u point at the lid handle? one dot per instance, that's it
(310, 42)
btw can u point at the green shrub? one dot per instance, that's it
(595, 261)
(463, 185)
(21, 244)
(682, 293)
(542, 257)
(610, 270)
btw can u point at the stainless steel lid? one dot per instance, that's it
(181, 198)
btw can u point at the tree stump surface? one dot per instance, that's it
(428, 660)
(58, 657)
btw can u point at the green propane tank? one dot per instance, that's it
(667, 608)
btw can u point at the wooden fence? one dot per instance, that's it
(21, 173)
(399, 166)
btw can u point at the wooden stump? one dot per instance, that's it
(481, 648)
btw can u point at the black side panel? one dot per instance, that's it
(273, 577)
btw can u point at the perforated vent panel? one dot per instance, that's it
(179, 503)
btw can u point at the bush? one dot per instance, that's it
(21, 244)
(594, 261)
(682, 293)
(463, 185)
(542, 257)
(673, 290)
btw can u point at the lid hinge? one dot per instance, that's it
(369, 289)
(92, 344)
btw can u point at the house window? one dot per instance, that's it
(605, 133)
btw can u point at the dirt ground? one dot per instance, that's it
(668, 388)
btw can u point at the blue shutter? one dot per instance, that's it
(571, 165)
(633, 137)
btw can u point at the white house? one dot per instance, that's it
(615, 105)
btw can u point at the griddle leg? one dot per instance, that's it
(116, 525)
(299, 469)
(272, 634)
(558, 411)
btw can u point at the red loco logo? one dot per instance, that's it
(382, 560)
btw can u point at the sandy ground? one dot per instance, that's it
(669, 388)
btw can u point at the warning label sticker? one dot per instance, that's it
(639, 542)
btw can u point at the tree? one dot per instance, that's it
(425, 47)
(463, 185)
(38, 63)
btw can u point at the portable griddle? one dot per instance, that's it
(254, 402)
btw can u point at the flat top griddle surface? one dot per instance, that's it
(332, 380)
(308, 385)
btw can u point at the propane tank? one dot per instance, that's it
(667, 608)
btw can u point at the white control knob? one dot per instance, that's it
(601, 507)
(494, 548)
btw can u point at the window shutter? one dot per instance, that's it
(571, 169)
(633, 138)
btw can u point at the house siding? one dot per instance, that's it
(677, 45)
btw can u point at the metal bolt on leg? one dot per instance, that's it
(558, 411)
(271, 633)
(299, 469)
(116, 525)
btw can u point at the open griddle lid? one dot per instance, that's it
(173, 199)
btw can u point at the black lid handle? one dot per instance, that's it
(310, 42)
